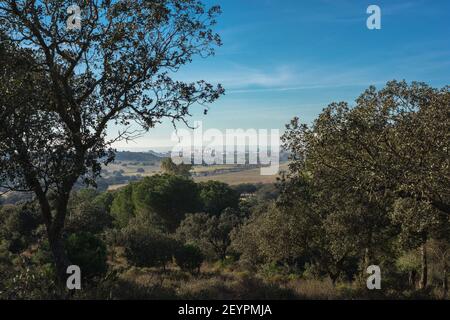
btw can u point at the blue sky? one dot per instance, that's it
(286, 58)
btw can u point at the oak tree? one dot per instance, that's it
(61, 88)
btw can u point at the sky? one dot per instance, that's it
(286, 58)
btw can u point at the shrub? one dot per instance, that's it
(189, 258)
(147, 247)
(88, 217)
(88, 252)
(18, 225)
(217, 196)
(210, 233)
(28, 283)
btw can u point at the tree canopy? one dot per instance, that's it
(61, 88)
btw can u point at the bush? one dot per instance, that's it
(88, 252)
(217, 196)
(146, 247)
(210, 233)
(189, 258)
(88, 217)
(27, 283)
(18, 225)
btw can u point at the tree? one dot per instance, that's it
(88, 212)
(165, 200)
(140, 170)
(69, 85)
(218, 196)
(210, 233)
(146, 246)
(122, 208)
(89, 253)
(189, 258)
(391, 147)
(394, 142)
(162, 200)
(169, 167)
(273, 235)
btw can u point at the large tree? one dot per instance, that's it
(393, 142)
(116, 69)
(363, 161)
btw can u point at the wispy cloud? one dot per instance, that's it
(237, 76)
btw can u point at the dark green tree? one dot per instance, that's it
(212, 234)
(122, 208)
(165, 200)
(89, 253)
(189, 258)
(361, 161)
(218, 196)
(59, 97)
(147, 247)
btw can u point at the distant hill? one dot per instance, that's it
(138, 156)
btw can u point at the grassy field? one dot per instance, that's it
(131, 169)
(246, 176)
(232, 178)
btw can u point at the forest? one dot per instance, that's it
(366, 185)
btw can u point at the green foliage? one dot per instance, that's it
(374, 174)
(217, 196)
(89, 253)
(89, 214)
(274, 236)
(147, 247)
(169, 167)
(104, 200)
(210, 233)
(60, 90)
(162, 200)
(122, 208)
(18, 225)
(26, 282)
(189, 258)
(267, 192)
(409, 261)
(165, 200)
(246, 188)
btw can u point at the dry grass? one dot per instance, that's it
(224, 283)
(315, 289)
(245, 176)
(232, 178)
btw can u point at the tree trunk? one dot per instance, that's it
(54, 226)
(412, 278)
(366, 264)
(60, 257)
(424, 271)
(445, 282)
(334, 277)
